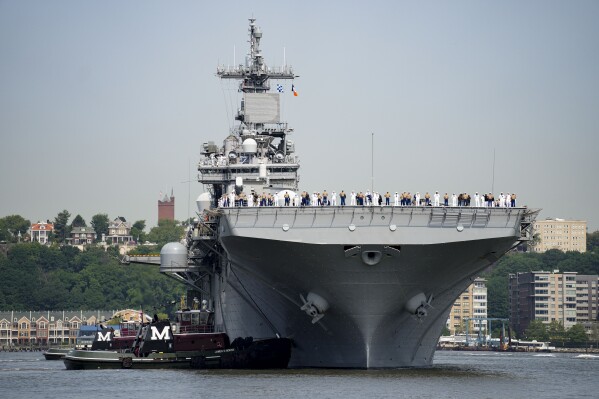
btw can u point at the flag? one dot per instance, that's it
(293, 90)
(280, 88)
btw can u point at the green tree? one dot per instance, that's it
(577, 334)
(61, 225)
(11, 226)
(593, 241)
(556, 331)
(50, 278)
(536, 330)
(78, 221)
(137, 231)
(552, 258)
(167, 231)
(100, 223)
(145, 250)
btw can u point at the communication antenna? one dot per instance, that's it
(188, 181)
(493, 181)
(372, 165)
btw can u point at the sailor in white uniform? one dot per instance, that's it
(396, 199)
(232, 198)
(352, 198)
(501, 200)
(334, 198)
(314, 199)
(454, 200)
(507, 200)
(417, 199)
(476, 200)
(276, 199)
(436, 197)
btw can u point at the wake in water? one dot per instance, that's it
(586, 356)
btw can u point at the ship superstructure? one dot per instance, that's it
(257, 156)
(353, 286)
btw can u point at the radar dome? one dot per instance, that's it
(173, 256)
(204, 202)
(249, 146)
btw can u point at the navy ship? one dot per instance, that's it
(353, 286)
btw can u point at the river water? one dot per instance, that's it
(454, 375)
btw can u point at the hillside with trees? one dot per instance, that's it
(37, 277)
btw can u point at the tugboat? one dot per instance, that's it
(190, 342)
(56, 353)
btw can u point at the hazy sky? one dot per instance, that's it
(104, 104)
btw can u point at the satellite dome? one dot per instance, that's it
(173, 256)
(249, 146)
(204, 201)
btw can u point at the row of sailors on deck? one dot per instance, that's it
(290, 198)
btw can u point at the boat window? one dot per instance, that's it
(204, 318)
(195, 319)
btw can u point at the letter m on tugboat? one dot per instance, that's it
(160, 336)
(104, 337)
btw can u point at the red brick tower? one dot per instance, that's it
(166, 207)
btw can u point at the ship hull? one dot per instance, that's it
(368, 264)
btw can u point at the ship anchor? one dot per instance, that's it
(419, 305)
(315, 306)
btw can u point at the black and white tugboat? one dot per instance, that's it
(190, 342)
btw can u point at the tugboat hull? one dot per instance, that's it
(270, 353)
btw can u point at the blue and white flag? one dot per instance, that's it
(280, 88)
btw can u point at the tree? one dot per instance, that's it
(61, 225)
(577, 334)
(11, 226)
(78, 221)
(167, 231)
(100, 224)
(593, 241)
(556, 331)
(51, 278)
(137, 231)
(536, 330)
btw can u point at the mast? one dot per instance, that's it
(257, 156)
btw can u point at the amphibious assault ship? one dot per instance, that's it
(353, 286)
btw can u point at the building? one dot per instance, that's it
(41, 232)
(80, 236)
(119, 232)
(545, 296)
(565, 235)
(470, 305)
(166, 207)
(42, 329)
(587, 298)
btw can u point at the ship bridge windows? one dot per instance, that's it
(244, 170)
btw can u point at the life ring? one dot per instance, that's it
(127, 362)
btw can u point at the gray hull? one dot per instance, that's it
(367, 263)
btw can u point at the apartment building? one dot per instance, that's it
(565, 235)
(541, 295)
(587, 298)
(470, 306)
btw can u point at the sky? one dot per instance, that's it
(105, 104)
